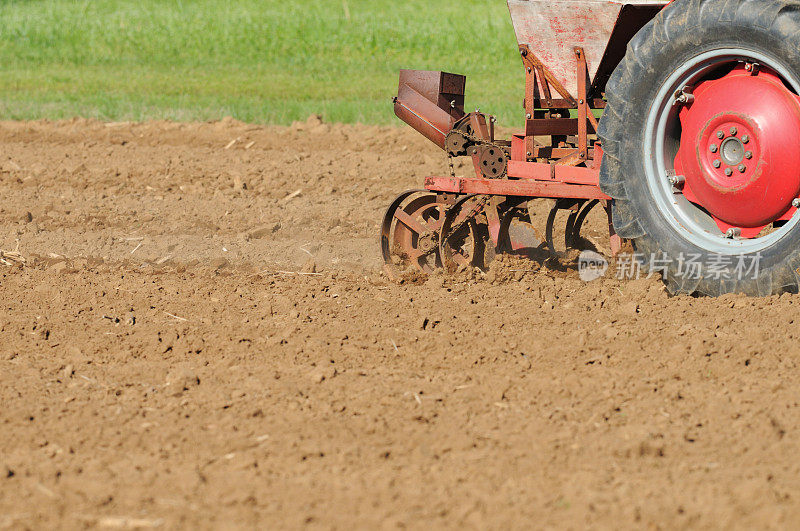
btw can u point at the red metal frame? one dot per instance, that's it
(554, 170)
(514, 187)
(568, 51)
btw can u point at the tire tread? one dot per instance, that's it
(682, 23)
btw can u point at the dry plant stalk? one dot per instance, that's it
(10, 258)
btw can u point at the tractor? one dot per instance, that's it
(695, 156)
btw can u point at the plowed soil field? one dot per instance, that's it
(200, 336)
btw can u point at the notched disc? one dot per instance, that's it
(493, 162)
(456, 144)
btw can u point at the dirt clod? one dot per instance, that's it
(309, 267)
(58, 267)
(179, 380)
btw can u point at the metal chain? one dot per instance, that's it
(479, 141)
(476, 208)
(481, 203)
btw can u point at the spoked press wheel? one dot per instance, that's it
(410, 232)
(702, 146)
(412, 228)
(465, 238)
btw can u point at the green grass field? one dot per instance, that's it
(267, 61)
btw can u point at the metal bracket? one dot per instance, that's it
(682, 96)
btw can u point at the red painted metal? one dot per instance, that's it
(632, 17)
(430, 101)
(553, 172)
(568, 49)
(513, 187)
(733, 152)
(552, 30)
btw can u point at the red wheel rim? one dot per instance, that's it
(739, 149)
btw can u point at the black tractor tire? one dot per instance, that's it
(682, 30)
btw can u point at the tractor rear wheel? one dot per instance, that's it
(702, 146)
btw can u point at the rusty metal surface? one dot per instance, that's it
(444, 89)
(552, 29)
(553, 172)
(583, 107)
(431, 102)
(544, 78)
(564, 45)
(551, 126)
(410, 231)
(418, 112)
(631, 19)
(493, 161)
(509, 187)
(464, 239)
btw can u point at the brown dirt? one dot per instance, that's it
(162, 365)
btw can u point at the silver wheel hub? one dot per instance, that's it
(732, 151)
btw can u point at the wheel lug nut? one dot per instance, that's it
(796, 203)
(745, 139)
(741, 168)
(677, 180)
(716, 163)
(728, 172)
(720, 135)
(734, 130)
(713, 148)
(748, 154)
